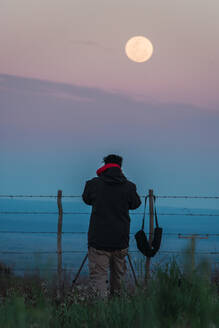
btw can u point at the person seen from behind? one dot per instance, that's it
(111, 196)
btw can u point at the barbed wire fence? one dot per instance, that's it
(60, 213)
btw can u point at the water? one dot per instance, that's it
(24, 251)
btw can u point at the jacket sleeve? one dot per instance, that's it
(134, 199)
(88, 195)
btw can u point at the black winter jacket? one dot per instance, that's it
(111, 196)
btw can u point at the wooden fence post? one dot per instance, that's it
(59, 244)
(151, 231)
(193, 238)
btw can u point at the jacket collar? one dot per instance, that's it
(105, 167)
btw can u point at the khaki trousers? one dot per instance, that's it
(99, 263)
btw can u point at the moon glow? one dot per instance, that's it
(139, 49)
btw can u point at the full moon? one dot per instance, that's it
(139, 49)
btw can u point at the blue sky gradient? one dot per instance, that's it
(54, 136)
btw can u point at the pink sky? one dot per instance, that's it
(69, 95)
(82, 43)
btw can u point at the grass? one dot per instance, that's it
(178, 297)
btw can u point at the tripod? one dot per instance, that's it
(84, 260)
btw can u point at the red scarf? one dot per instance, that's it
(105, 167)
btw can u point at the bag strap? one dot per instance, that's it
(155, 211)
(145, 203)
(156, 221)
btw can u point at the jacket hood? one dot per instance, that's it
(113, 176)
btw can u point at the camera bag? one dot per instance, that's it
(141, 238)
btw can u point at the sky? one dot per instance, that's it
(69, 95)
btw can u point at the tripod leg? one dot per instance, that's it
(133, 272)
(78, 273)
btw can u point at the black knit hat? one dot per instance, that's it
(112, 158)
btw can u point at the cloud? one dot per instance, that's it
(42, 111)
(90, 43)
(16, 84)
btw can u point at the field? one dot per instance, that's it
(178, 297)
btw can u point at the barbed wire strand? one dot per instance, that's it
(78, 196)
(88, 213)
(39, 196)
(82, 252)
(189, 197)
(85, 232)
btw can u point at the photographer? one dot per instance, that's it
(111, 195)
